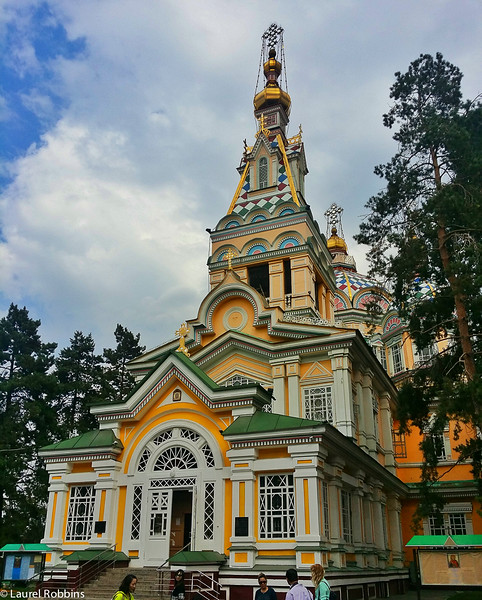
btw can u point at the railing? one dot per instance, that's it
(61, 578)
(204, 586)
(200, 586)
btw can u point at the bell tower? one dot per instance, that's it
(268, 238)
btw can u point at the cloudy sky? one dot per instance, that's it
(122, 124)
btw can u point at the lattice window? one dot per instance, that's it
(346, 517)
(238, 380)
(208, 455)
(136, 512)
(263, 172)
(172, 483)
(209, 511)
(176, 457)
(436, 524)
(189, 434)
(162, 437)
(276, 506)
(397, 359)
(326, 509)
(144, 460)
(80, 518)
(447, 524)
(457, 524)
(399, 444)
(159, 513)
(268, 408)
(319, 403)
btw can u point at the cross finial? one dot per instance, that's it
(182, 333)
(230, 255)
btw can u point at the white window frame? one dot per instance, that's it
(322, 394)
(80, 519)
(276, 506)
(396, 355)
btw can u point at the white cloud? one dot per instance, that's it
(105, 220)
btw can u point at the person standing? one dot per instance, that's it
(265, 592)
(297, 590)
(322, 587)
(126, 589)
(179, 586)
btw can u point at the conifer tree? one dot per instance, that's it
(426, 226)
(27, 422)
(118, 382)
(79, 373)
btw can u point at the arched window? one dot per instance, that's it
(263, 172)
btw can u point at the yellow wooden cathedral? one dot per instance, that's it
(261, 438)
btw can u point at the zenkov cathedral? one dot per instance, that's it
(265, 436)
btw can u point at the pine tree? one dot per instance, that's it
(426, 226)
(118, 382)
(80, 375)
(27, 422)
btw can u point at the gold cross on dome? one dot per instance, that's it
(230, 255)
(182, 333)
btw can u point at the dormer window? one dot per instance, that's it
(263, 172)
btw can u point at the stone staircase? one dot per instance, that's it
(151, 584)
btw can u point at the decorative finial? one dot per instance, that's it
(182, 333)
(230, 255)
(262, 128)
(333, 220)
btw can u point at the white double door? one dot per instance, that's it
(169, 523)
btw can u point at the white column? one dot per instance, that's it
(342, 393)
(293, 374)
(386, 426)
(278, 373)
(395, 535)
(367, 407)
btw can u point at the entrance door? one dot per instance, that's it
(181, 518)
(159, 510)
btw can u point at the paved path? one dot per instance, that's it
(427, 594)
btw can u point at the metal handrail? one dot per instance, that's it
(85, 573)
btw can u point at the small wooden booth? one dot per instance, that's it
(448, 560)
(22, 562)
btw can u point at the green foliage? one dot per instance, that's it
(117, 381)
(426, 226)
(79, 373)
(44, 399)
(27, 422)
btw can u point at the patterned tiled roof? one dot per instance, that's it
(351, 282)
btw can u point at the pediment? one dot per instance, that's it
(317, 371)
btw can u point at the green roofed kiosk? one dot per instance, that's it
(448, 560)
(23, 561)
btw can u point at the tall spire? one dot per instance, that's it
(272, 102)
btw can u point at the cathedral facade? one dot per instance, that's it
(262, 438)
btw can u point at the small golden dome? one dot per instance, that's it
(335, 243)
(272, 93)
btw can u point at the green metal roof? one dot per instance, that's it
(197, 557)
(445, 540)
(25, 548)
(197, 371)
(86, 555)
(260, 422)
(99, 438)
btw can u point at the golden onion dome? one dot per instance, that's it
(272, 93)
(335, 243)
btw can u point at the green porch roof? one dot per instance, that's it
(445, 540)
(197, 558)
(25, 548)
(86, 555)
(260, 422)
(99, 438)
